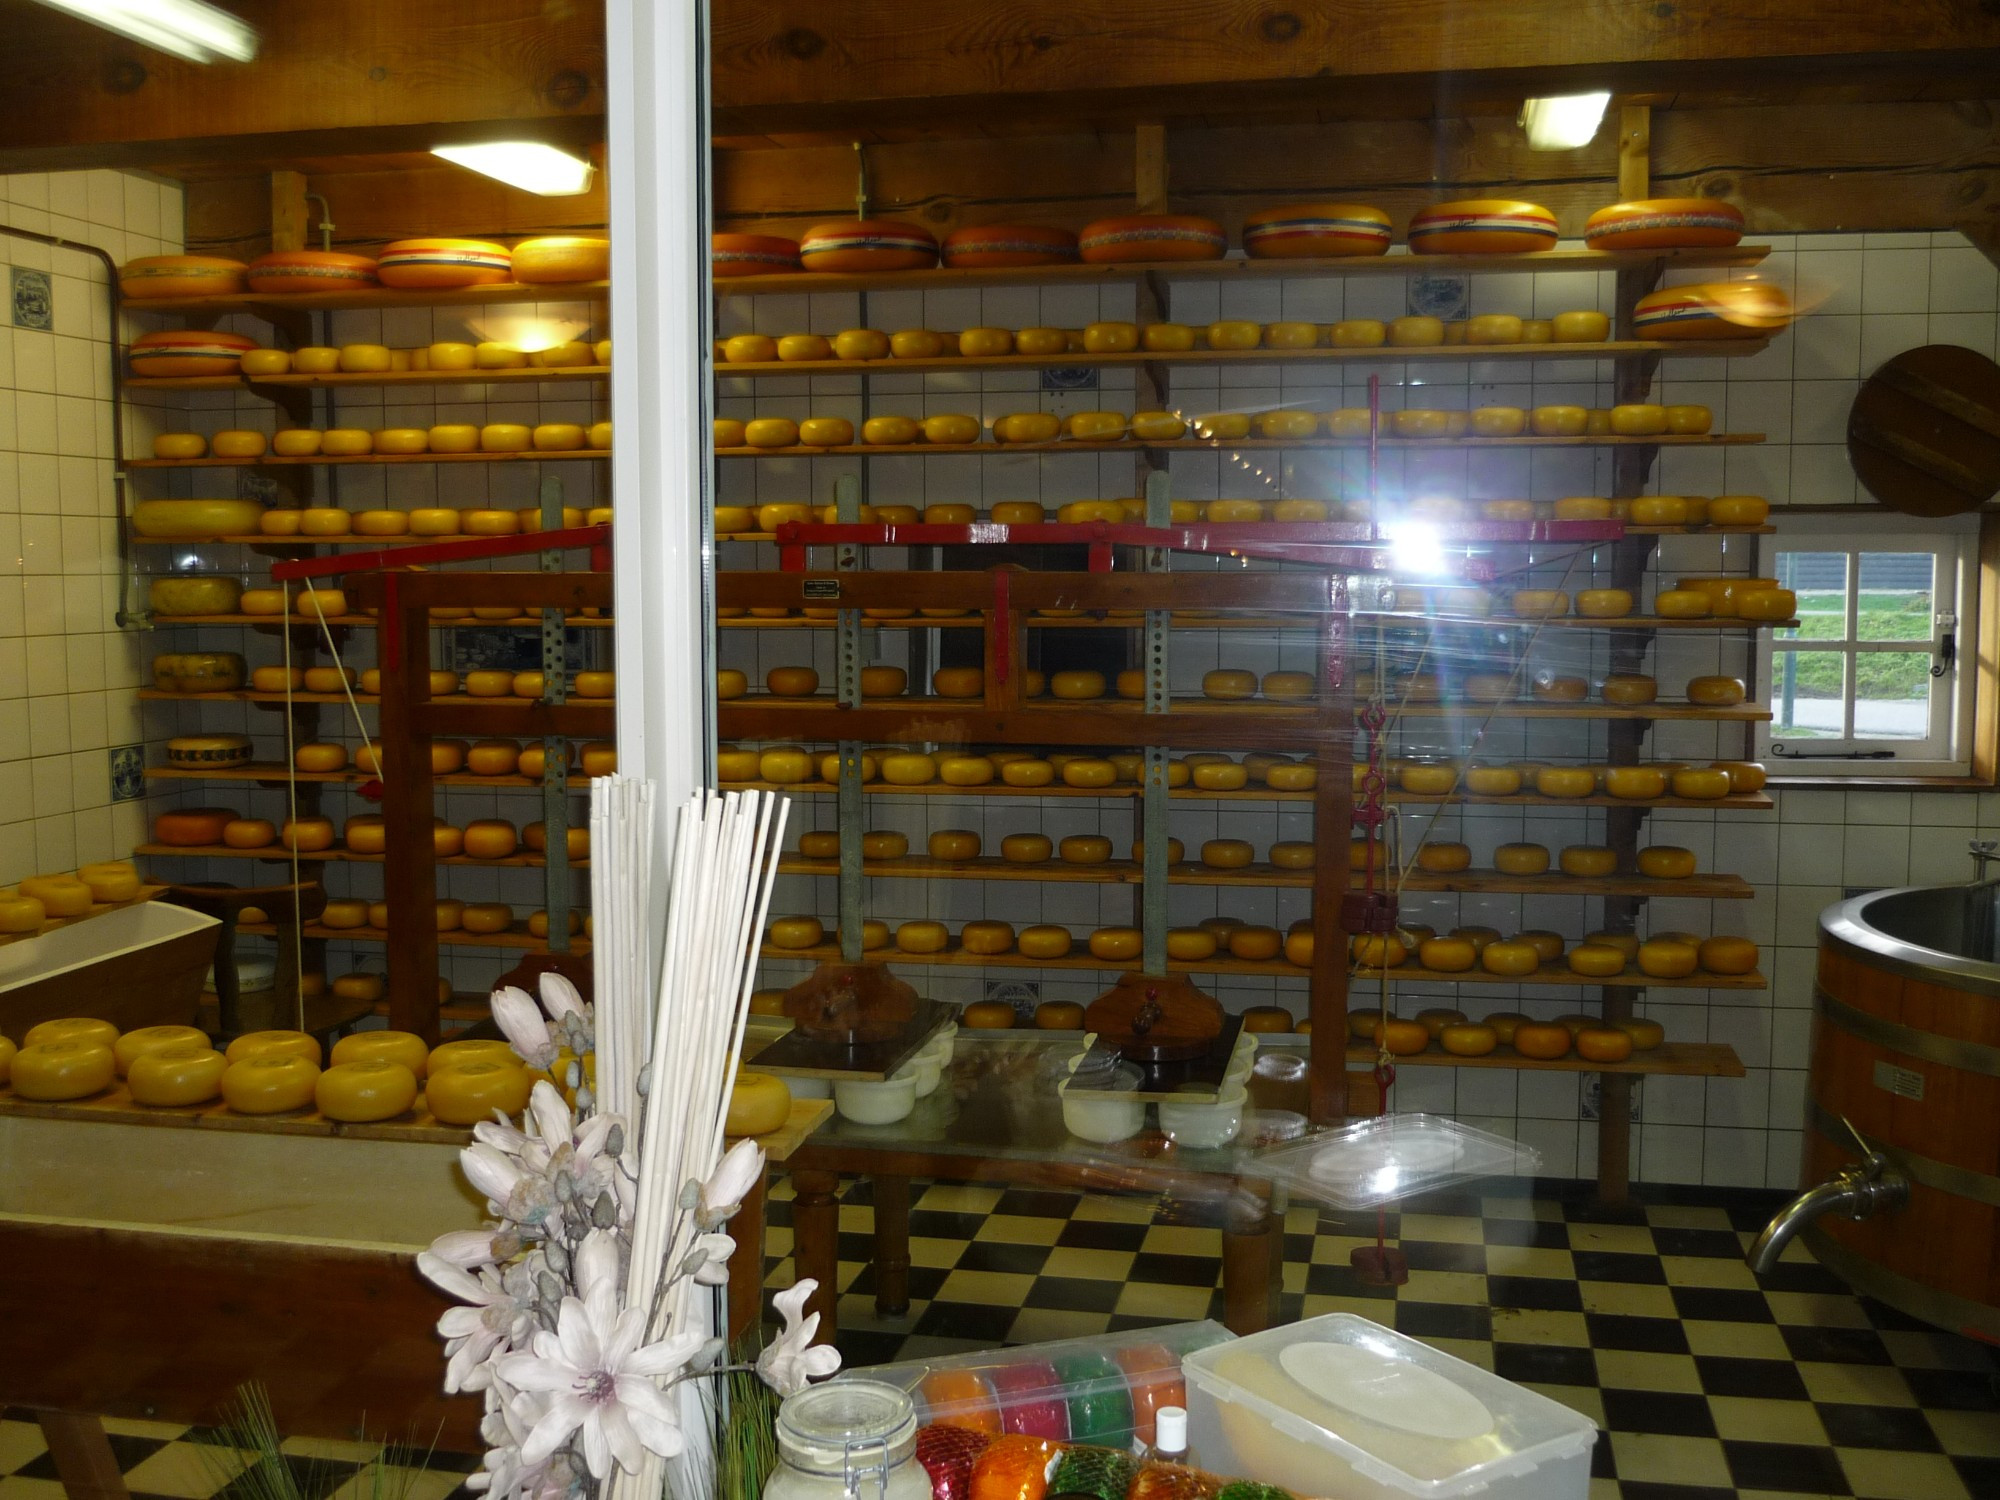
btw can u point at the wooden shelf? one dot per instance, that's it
(264, 304)
(1250, 709)
(1236, 445)
(346, 539)
(272, 460)
(1200, 358)
(1263, 876)
(1549, 975)
(1395, 264)
(154, 695)
(1735, 802)
(1689, 1059)
(272, 774)
(369, 622)
(973, 620)
(387, 378)
(280, 855)
(516, 937)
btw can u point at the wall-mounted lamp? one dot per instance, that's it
(1564, 122)
(186, 28)
(528, 165)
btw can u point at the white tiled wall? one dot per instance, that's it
(68, 676)
(1864, 298)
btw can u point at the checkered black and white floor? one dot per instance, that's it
(1708, 1382)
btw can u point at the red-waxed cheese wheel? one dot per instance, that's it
(1712, 310)
(1031, 1399)
(192, 825)
(1009, 245)
(1149, 237)
(177, 352)
(179, 276)
(432, 262)
(311, 271)
(1482, 226)
(1664, 223)
(1316, 229)
(867, 245)
(750, 255)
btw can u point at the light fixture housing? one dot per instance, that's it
(1564, 122)
(186, 28)
(532, 166)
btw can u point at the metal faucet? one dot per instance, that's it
(1869, 1186)
(1984, 852)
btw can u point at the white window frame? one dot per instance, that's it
(1954, 542)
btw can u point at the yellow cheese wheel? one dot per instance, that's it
(1442, 858)
(958, 682)
(791, 682)
(268, 1083)
(1539, 603)
(1257, 944)
(1227, 854)
(1666, 862)
(948, 843)
(1701, 783)
(1603, 604)
(1084, 849)
(365, 1090)
(922, 937)
(1590, 861)
(1565, 781)
(1521, 859)
(1727, 955)
(1428, 780)
(1026, 848)
(1738, 510)
(472, 1087)
(1077, 685)
(1045, 940)
(1664, 958)
(65, 1068)
(1229, 684)
(1716, 692)
(909, 769)
(796, 932)
(1492, 781)
(1629, 689)
(1640, 783)
(1115, 944)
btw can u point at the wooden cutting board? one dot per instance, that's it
(1924, 433)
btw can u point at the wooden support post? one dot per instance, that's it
(1149, 167)
(1635, 152)
(892, 1244)
(409, 877)
(83, 1457)
(746, 1263)
(291, 215)
(816, 1243)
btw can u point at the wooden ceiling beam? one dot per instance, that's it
(342, 76)
(779, 66)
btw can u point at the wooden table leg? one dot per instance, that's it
(1249, 1288)
(746, 1266)
(83, 1457)
(816, 1242)
(892, 1245)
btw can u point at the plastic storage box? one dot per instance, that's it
(1337, 1405)
(1101, 1390)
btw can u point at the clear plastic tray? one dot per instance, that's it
(1101, 1390)
(1338, 1405)
(1378, 1161)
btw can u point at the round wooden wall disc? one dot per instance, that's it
(1924, 434)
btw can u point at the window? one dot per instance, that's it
(1875, 678)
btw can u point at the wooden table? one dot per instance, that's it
(190, 1250)
(996, 1118)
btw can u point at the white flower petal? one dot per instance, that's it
(618, 1433)
(534, 1372)
(449, 1278)
(521, 1021)
(466, 1248)
(741, 1167)
(461, 1322)
(597, 1263)
(663, 1358)
(596, 1445)
(582, 1347)
(552, 1118)
(490, 1172)
(661, 1437)
(559, 997)
(565, 1415)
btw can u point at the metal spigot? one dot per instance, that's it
(1984, 852)
(1859, 1190)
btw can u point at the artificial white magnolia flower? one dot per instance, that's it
(791, 1361)
(500, 1315)
(521, 1021)
(708, 1260)
(464, 1248)
(598, 1377)
(741, 1168)
(560, 998)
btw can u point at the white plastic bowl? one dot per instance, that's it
(1101, 1117)
(1204, 1125)
(876, 1102)
(925, 1069)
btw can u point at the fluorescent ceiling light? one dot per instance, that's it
(528, 165)
(1563, 123)
(186, 28)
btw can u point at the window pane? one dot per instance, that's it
(1806, 694)
(1895, 598)
(1892, 691)
(1820, 580)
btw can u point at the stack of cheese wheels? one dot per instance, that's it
(1316, 229)
(1482, 226)
(868, 245)
(732, 255)
(180, 276)
(991, 245)
(1152, 237)
(1712, 310)
(431, 264)
(178, 352)
(310, 271)
(1664, 224)
(557, 258)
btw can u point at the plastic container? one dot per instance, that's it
(1203, 1124)
(1337, 1405)
(1100, 1390)
(1378, 1161)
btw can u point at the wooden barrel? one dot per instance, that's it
(1914, 1065)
